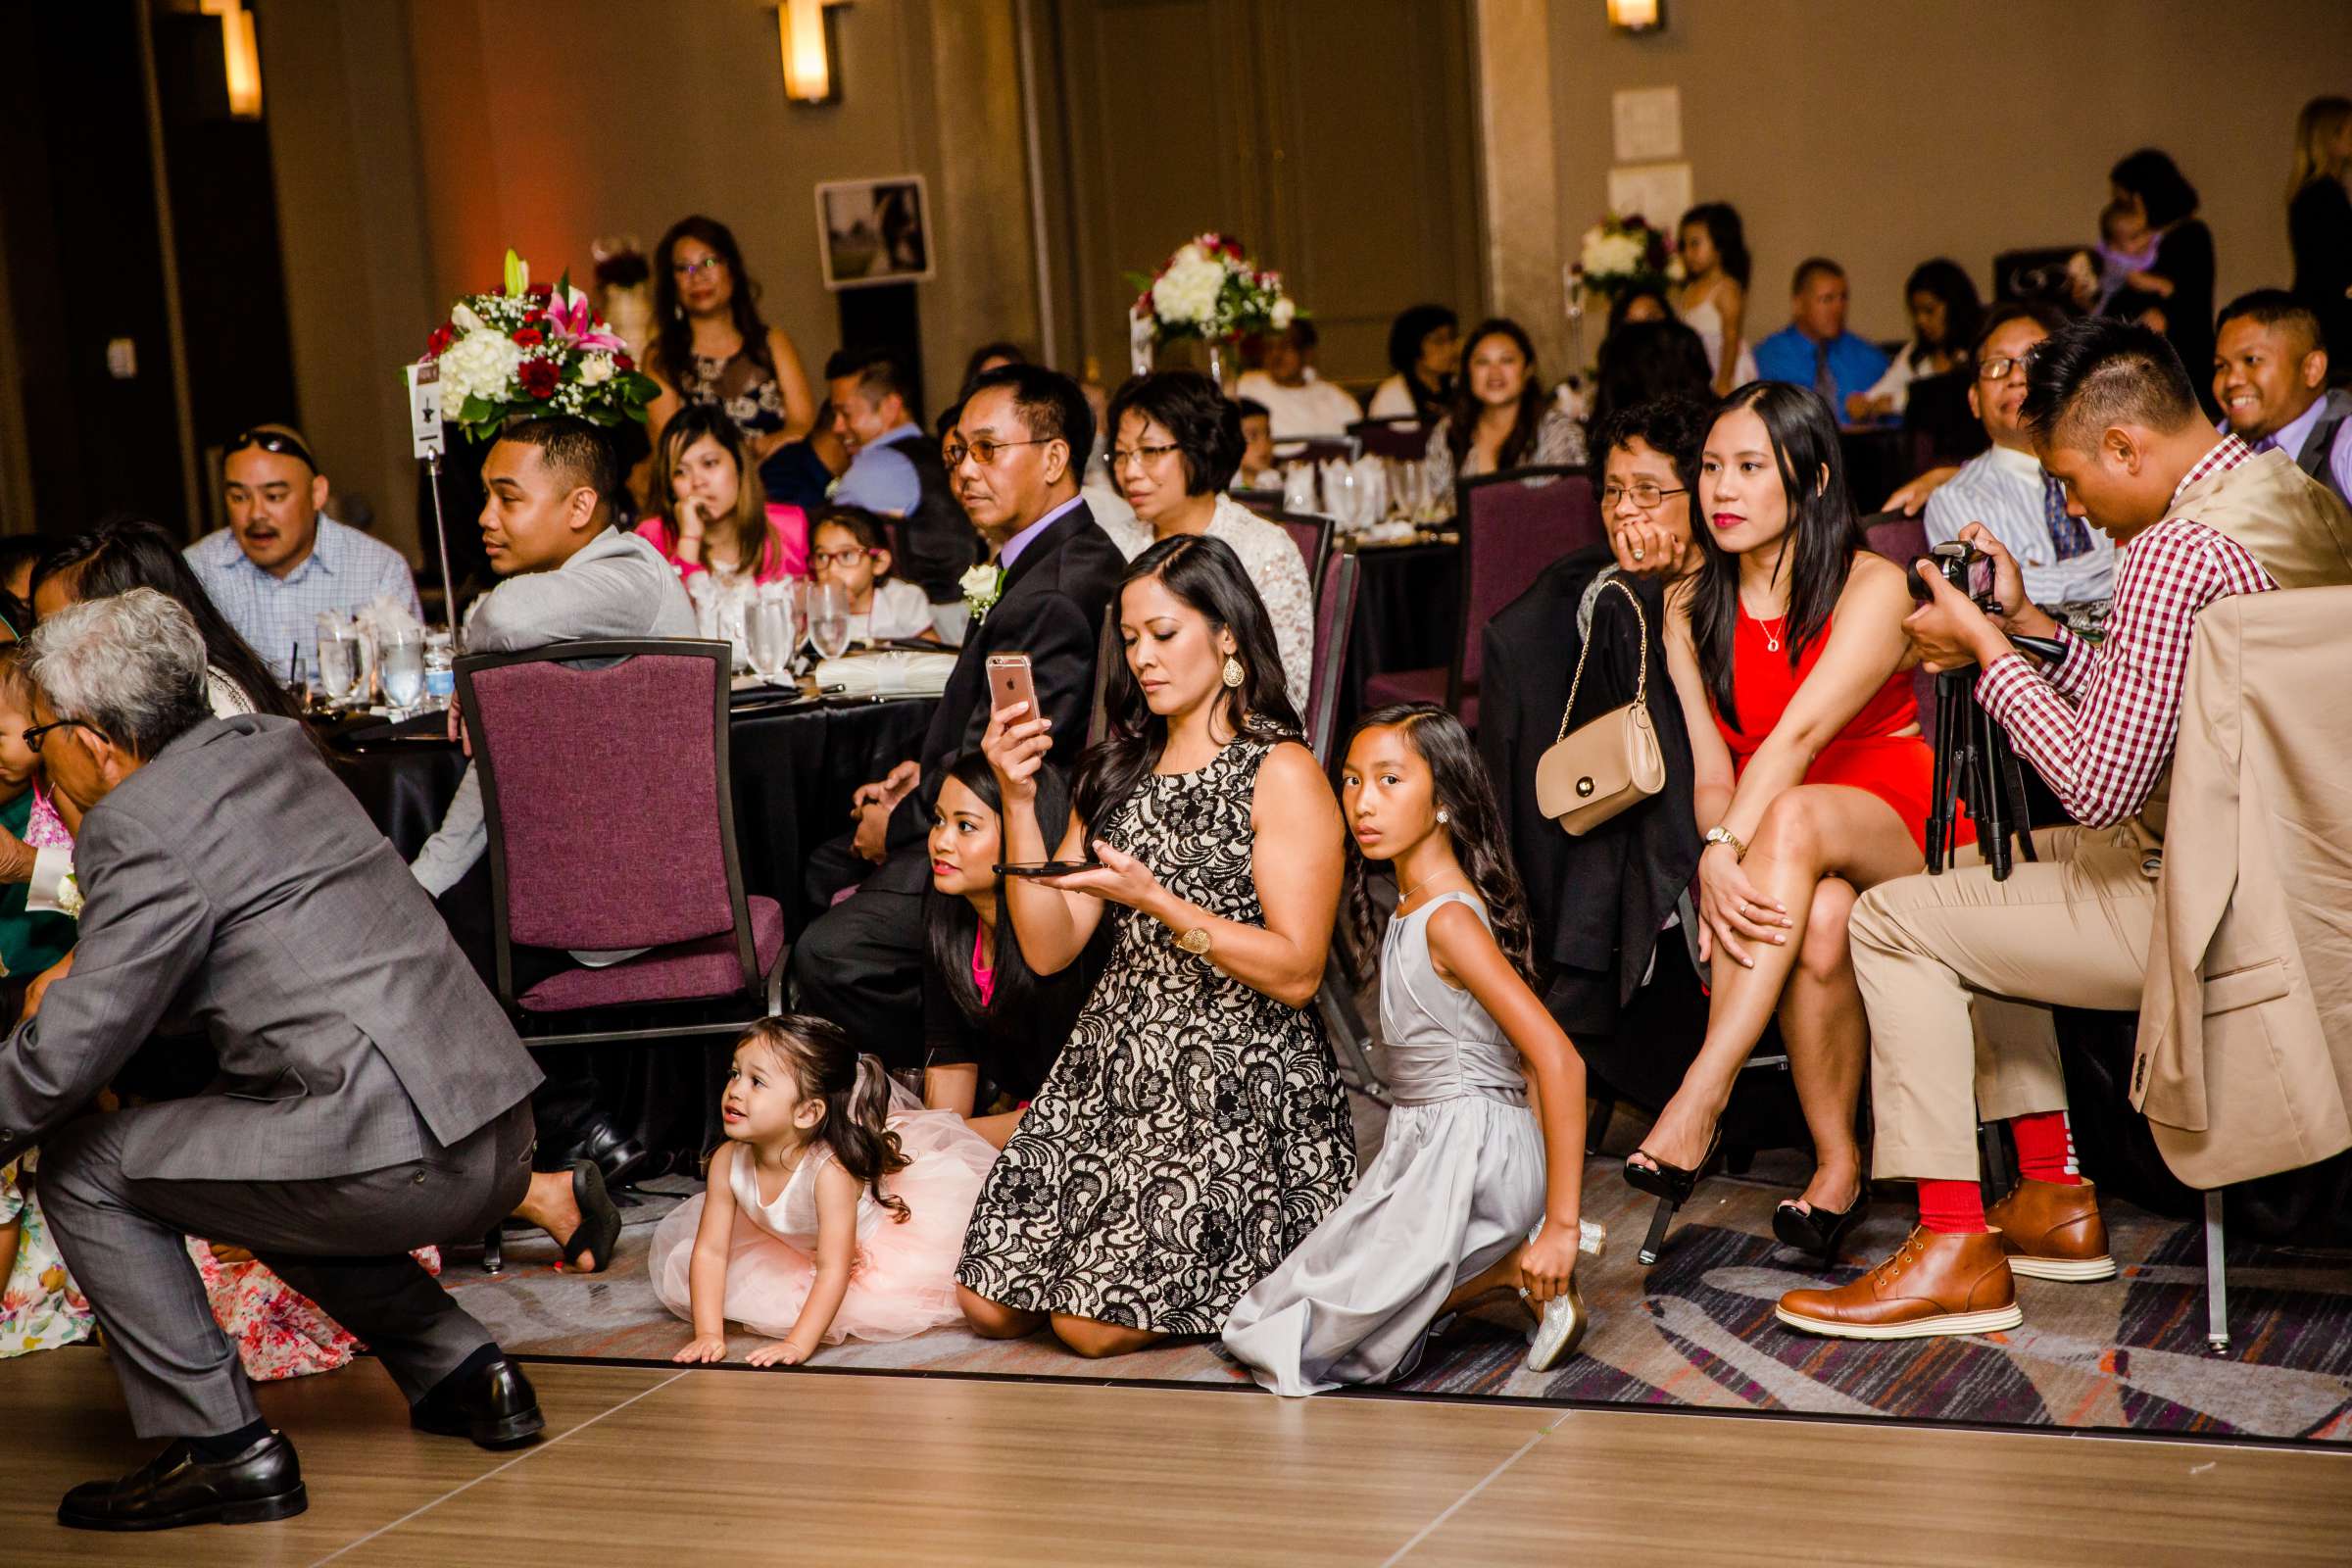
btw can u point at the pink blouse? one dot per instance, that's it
(788, 536)
(984, 978)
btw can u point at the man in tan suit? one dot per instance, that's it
(2113, 416)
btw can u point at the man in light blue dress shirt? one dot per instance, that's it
(2270, 376)
(1815, 349)
(282, 560)
(2066, 565)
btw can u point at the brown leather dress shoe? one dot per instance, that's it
(2053, 1231)
(1932, 1285)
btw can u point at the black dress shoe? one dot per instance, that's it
(614, 1152)
(496, 1407)
(178, 1487)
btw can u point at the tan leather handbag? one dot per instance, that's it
(1585, 778)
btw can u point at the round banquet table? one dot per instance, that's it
(794, 770)
(1408, 617)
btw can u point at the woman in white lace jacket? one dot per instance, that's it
(1175, 441)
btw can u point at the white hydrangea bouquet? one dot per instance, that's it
(1207, 290)
(532, 350)
(1622, 252)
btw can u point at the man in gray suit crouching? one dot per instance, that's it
(373, 1098)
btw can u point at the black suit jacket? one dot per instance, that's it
(1052, 609)
(1597, 902)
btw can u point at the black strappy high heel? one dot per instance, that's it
(1672, 1182)
(1817, 1231)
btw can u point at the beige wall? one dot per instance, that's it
(417, 139)
(1883, 133)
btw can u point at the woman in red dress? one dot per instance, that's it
(1788, 650)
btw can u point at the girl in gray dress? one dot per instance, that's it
(1478, 1181)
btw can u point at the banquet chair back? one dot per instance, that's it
(1334, 614)
(1513, 525)
(1318, 449)
(562, 735)
(1903, 540)
(1106, 649)
(1401, 440)
(1312, 535)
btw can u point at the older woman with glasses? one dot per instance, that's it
(1175, 443)
(712, 346)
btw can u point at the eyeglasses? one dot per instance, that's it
(277, 441)
(35, 734)
(984, 451)
(1645, 495)
(1146, 455)
(840, 557)
(708, 264)
(2000, 367)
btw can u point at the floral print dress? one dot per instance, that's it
(41, 1308)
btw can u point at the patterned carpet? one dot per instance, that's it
(1697, 1329)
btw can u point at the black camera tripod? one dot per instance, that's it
(1976, 765)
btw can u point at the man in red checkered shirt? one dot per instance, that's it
(2114, 418)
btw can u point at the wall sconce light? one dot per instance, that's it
(805, 34)
(1637, 16)
(241, 55)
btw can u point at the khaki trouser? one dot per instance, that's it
(2070, 930)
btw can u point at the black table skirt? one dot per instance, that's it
(794, 773)
(1408, 617)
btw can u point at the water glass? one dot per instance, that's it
(399, 652)
(830, 620)
(342, 664)
(769, 626)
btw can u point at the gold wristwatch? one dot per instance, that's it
(1719, 834)
(1195, 941)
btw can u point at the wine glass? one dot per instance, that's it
(342, 668)
(400, 655)
(769, 626)
(830, 620)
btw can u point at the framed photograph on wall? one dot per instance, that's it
(873, 231)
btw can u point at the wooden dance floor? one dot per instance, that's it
(656, 1464)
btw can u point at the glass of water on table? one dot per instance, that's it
(830, 620)
(399, 657)
(342, 659)
(767, 627)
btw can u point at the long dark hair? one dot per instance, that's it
(1963, 309)
(1721, 220)
(1644, 360)
(1413, 324)
(1207, 575)
(1816, 552)
(1460, 783)
(673, 334)
(1461, 424)
(855, 1091)
(746, 528)
(124, 552)
(951, 926)
(2165, 194)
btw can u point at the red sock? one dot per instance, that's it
(2045, 1147)
(1952, 1208)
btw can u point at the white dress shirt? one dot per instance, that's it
(2004, 490)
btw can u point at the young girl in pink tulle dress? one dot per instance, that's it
(828, 1216)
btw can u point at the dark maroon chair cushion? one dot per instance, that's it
(1312, 536)
(1335, 613)
(684, 973)
(608, 794)
(1401, 440)
(1511, 530)
(1418, 686)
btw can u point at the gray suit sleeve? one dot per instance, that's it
(145, 928)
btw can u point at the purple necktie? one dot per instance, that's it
(2067, 537)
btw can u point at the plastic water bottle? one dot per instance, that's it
(440, 670)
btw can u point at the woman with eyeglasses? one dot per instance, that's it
(1175, 442)
(712, 347)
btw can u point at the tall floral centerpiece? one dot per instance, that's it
(1623, 253)
(1206, 290)
(530, 349)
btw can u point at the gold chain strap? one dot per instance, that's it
(1641, 681)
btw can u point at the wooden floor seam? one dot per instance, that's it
(1430, 1528)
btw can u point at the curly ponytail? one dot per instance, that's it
(855, 1090)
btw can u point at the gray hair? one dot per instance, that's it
(130, 665)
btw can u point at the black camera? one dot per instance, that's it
(1965, 567)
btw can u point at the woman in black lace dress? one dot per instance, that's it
(1193, 1131)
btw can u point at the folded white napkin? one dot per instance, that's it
(889, 675)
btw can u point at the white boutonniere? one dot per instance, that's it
(982, 587)
(69, 896)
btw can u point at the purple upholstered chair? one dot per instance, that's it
(1903, 540)
(1335, 613)
(1400, 440)
(1312, 535)
(612, 823)
(1514, 525)
(1318, 449)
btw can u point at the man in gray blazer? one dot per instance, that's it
(373, 1098)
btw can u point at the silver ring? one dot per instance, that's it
(1637, 552)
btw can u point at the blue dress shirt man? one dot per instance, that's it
(1815, 349)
